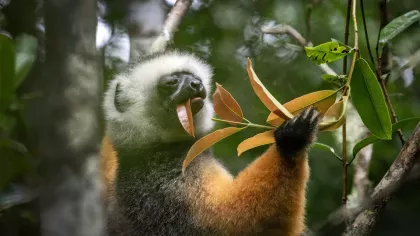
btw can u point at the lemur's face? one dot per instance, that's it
(178, 87)
(140, 104)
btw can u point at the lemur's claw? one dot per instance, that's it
(298, 133)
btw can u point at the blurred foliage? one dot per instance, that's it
(225, 33)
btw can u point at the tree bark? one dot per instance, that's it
(64, 122)
(396, 174)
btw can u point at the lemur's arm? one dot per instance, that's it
(270, 192)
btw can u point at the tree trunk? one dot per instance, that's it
(64, 122)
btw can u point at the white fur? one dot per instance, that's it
(138, 86)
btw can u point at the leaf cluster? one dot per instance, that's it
(16, 60)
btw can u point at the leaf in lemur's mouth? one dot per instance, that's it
(185, 117)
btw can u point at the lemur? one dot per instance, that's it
(145, 145)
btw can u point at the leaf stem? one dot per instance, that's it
(249, 124)
(352, 159)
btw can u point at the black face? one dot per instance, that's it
(180, 87)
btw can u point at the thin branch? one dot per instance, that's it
(344, 166)
(389, 103)
(392, 180)
(346, 34)
(366, 32)
(175, 16)
(249, 124)
(308, 14)
(287, 29)
(379, 71)
(345, 91)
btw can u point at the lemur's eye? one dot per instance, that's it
(172, 81)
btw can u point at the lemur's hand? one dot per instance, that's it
(298, 133)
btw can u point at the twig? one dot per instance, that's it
(380, 65)
(366, 32)
(346, 34)
(249, 124)
(175, 16)
(351, 5)
(392, 180)
(308, 13)
(389, 103)
(344, 166)
(287, 29)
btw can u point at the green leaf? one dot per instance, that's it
(398, 25)
(25, 57)
(369, 101)
(326, 148)
(372, 139)
(7, 70)
(335, 79)
(363, 143)
(327, 52)
(12, 144)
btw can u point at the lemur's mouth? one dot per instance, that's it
(196, 105)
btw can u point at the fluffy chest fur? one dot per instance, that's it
(156, 203)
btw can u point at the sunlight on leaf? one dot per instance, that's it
(327, 148)
(327, 52)
(397, 25)
(25, 57)
(207, 141)
(335, 116)
(256, 141)
(225, 105)
(185, 117)
(265, 96)
(369, 101)
(321, 100)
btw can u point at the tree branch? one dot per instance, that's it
(175, 16)
(392, 180)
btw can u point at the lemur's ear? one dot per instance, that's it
(120, 103)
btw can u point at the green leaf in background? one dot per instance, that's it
(371, 139)
(335, 79)
(7, 70)
(369, 101)
(398, 25)
(25, 57)
(15, 145)
(326, 148)
(327, 52)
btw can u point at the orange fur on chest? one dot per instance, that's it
(267, 197)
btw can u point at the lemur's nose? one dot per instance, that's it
(196, 85)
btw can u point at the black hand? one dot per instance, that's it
(298, 133)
